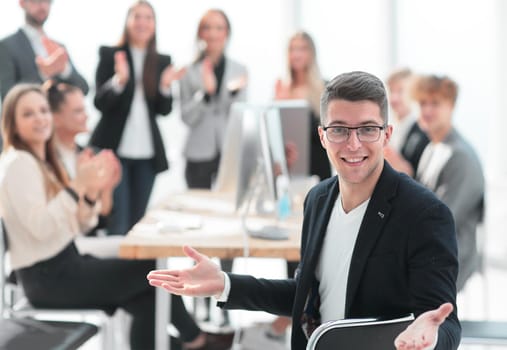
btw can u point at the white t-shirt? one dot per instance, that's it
(334, 262)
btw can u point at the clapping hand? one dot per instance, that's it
(54, 64)
(422, 333)
(237, 84)
(208, 77)
(109, 175)
(121, 67)
(170, 74)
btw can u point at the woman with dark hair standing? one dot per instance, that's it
(133, 86)
(212, 83)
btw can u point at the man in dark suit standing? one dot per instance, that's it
(30, 56)
(374, 242)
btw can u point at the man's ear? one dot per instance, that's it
(388, 131)
(321, 137)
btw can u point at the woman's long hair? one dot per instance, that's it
(313, 76)
(55, 177)
(150, 69)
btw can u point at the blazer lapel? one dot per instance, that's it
(371, 228)
(320, 213)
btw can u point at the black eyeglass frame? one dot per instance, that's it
(349, 128)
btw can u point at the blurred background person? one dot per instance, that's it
(213, 82)
(44, 211)
(30, 56)
(70, 118)
(409, 140)
(304, 82)
(133, 86)
(450, 167)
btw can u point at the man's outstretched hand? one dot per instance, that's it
(203, 279)
(422, 333)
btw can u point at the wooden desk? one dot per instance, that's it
(221, 234)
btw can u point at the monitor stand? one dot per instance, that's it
(270, 232)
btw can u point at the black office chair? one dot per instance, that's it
(27, 333)
(357, 334)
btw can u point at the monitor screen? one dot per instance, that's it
(240, 152)
(295, 123)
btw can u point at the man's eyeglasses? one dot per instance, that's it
(367, 133)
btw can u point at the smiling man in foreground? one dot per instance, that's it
(374, 242)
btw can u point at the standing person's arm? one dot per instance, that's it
(167, 75)
(192, 94)
(111, 79)
(433, 269)
(197, 91)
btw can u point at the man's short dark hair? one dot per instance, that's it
(354, 86)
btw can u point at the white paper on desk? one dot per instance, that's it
(206, 204)
(168, 221)
(145, 230)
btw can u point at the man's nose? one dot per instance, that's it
(353, 140)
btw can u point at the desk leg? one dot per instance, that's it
(162, 312)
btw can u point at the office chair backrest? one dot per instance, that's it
(367, 334)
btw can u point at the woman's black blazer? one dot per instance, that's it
(116, 107)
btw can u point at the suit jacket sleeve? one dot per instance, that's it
(250, 293)
(7, 70)
(432, 256)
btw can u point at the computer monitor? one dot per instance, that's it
(252, 160)
(240, 153)
(295, 124)
(272, 149)
(274, 169)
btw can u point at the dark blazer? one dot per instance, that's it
(414, 145)
(404, 260)
(17, 64)
(115, 107)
